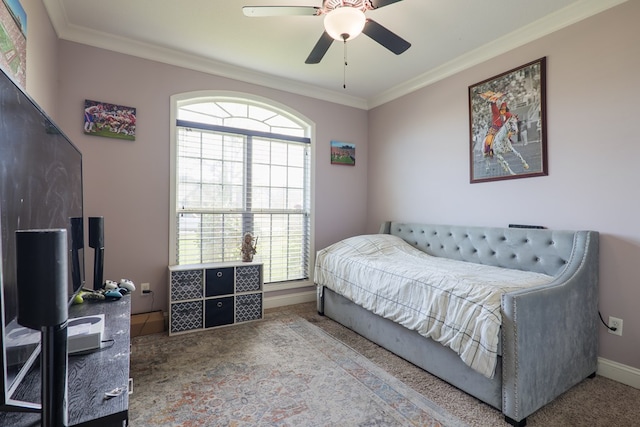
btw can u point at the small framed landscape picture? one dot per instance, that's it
(343, 153)
(110, 120)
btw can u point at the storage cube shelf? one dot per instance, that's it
(212, 295)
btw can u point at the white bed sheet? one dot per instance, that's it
(453, 302)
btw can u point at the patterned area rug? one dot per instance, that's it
(283, 371)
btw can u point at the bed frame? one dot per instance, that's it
(549, 334)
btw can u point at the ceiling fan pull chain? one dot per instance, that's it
(344, 68)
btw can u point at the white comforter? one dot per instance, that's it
(453, 302)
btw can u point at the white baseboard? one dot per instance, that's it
(289, 299)
(618, 372)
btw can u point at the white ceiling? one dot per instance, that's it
(214, 36)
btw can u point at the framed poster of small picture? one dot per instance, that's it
(343, 153)
(109, 120)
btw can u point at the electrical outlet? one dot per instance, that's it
(614, 322)
(145, 288)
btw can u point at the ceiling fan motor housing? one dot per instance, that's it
(362, 5)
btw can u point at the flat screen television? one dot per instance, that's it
(40, 188)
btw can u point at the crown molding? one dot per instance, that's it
(85, 36)
(549, 24)
(538, 29)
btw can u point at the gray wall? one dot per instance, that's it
(128, 182)
(42, 57)
(419, 157)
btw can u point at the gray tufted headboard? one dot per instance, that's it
(540, 250)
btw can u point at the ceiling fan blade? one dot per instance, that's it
(258, 11)
(377, 4)
(321, 47)
(386, 38)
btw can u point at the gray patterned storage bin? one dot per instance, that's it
(186, 285)
(248, 278)
(186, 316)
(248, 307)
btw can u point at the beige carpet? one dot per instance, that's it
(594, 402)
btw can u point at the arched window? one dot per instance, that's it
(241, 165)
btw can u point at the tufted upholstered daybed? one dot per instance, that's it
(548, 338)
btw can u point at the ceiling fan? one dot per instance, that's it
(343, 20)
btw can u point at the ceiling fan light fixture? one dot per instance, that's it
(344, 23)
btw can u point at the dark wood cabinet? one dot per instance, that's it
(92, 374)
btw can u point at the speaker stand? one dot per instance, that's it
(53, 372)
(98, 268)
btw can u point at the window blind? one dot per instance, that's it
(230, 182)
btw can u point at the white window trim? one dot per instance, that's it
(235, 96)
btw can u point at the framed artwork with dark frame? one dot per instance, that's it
(507, 125)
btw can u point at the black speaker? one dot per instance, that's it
(96, 241)
(77, 233)
(96, 232)
(42, 274)
(77, 243)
